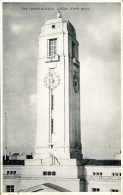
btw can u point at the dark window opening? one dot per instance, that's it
(73, 49)
(53, 26)
(10, 188)
(53, 173)
(52, 126)
(114, 190)
(52, 102)
(49, 172)
(7, 172)
(95, 189)
(44, 172)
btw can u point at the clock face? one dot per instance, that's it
(76, 82)
(52, 80)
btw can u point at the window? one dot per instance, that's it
(11, 172)
(10, 188)
(53, 173)
(97, 173)
(44, 172)
(7, 172)
(116, 174)
(114, 190)
(53, 26)
(95, 189)
(14, 172)
(49, 172)
(52, 47)
(73, 49)
(52, 126)
(52, 101)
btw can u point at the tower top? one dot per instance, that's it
(59, 15)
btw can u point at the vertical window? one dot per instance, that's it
(7, 172)
(14, 172)
(73, 50)
(52, 126)
(10, 188)
(52, 102)
(52, 47)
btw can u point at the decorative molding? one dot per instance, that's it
(53, 58)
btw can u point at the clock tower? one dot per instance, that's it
(58, 150)
(58, 129)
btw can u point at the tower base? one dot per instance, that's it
(65, 175)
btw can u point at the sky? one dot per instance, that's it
(98, 33)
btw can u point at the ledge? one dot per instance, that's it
(54, 58)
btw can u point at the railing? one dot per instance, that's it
(100, 177)
(87, 177)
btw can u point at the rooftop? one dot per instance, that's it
(55, 187)
(94, 162)
(84, 162)
(13, 162)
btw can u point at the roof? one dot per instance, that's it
(15, 154)
(13, 162)
(55, 187)
(94, 162)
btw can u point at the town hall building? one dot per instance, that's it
(57, 163)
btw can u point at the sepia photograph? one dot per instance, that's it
(61, 76)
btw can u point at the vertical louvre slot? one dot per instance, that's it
(52, 102)
(52, 126)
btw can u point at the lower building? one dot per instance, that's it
(102, 175)
(92, 176)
